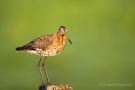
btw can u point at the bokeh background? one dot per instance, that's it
(101, 56)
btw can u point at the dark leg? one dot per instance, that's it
(48, 82)
(39, 67)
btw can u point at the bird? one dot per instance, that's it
(45, 46)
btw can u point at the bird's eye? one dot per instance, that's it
(61, 30)
(62, 34)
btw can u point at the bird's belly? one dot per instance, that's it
(47, 52)
(50, 52)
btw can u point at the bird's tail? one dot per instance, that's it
(20, 48)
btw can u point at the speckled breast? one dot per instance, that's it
(52, 51)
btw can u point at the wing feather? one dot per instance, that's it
(39, 43)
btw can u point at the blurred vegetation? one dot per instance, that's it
(103, 49)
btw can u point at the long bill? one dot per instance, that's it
(69, 40)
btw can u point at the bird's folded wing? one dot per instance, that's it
(39, 43)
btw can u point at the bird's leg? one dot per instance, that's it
(43, 64)
(39, 67)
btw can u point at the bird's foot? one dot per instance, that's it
(48, 83)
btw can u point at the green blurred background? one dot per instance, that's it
(103, 49)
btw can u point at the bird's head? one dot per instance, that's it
(62, 31)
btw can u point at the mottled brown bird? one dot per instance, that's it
(47, 45)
